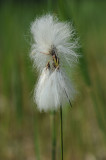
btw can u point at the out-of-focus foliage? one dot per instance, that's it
(24, 132)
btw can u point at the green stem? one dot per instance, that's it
(36, 139)
(53, 136)
(61, 119)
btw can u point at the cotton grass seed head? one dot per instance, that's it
(54, 47)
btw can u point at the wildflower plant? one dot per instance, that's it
(53, 50)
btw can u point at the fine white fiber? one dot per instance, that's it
(49, 33)
(54, 47)
(52, 90)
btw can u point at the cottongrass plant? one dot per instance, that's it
(53, 50)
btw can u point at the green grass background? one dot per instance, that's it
(25, 133)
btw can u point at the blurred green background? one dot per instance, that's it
(25, 133)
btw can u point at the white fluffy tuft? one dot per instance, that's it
(51, 90)
(53, 87)
(47, 32)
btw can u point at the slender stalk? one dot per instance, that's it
(53, 137)
(36, 139)
(61, 122)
